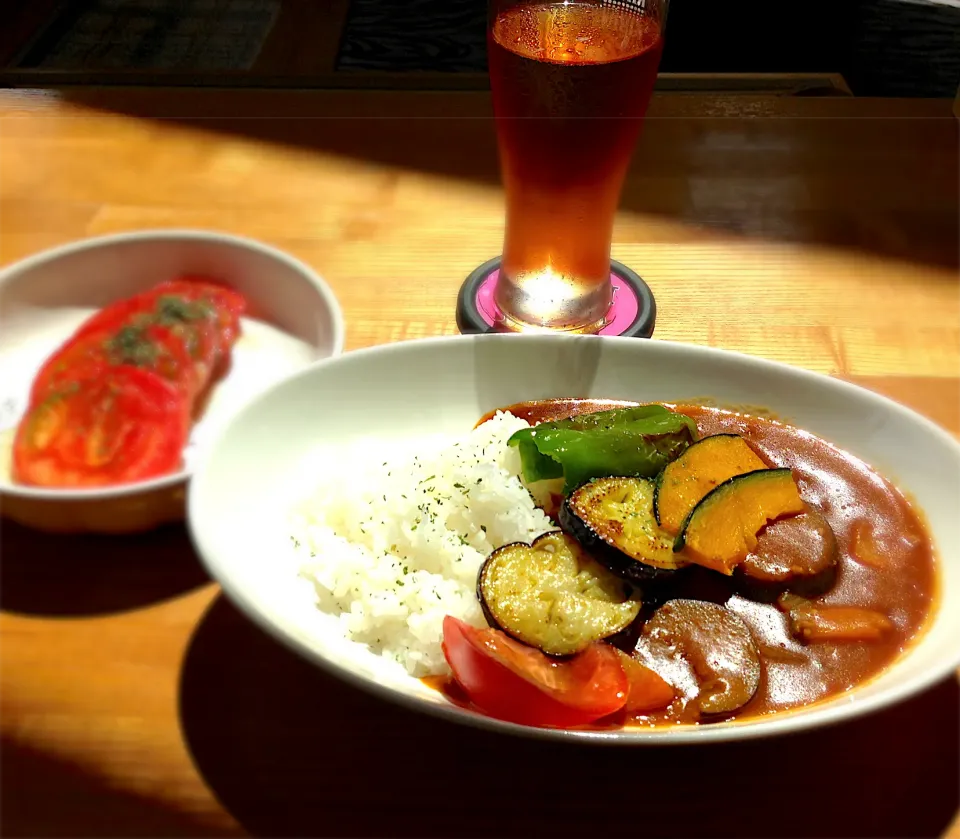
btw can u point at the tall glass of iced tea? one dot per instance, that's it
(571, 82)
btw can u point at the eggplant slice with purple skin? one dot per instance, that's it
(553, 596)
(714, 642)
(797, 554)
(613, 519)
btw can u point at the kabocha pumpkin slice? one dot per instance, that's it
(722, 529)
(553, 596)
(700, 468)
(613, 519)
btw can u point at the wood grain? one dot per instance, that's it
(819, 232)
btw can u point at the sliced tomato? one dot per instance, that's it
(150, 346)
(514, 682)
(648, 691)
(207, 309)
(75, 358)
(113, 426)
(195, 322)
(160, 349)
(228, 304)
(115, 315)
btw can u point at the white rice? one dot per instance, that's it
(396, 540)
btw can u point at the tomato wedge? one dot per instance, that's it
(514, 682)
(648, 691)
(107, 426)
(149, 346)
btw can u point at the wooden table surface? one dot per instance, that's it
(136, 701)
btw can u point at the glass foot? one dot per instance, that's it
(632, 314)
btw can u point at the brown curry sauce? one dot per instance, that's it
(886, 564)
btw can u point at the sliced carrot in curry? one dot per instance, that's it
(865, 548)
(814, 622)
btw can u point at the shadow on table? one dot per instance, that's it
(43, 796)
(292, 752)
(841, 181)
(51, 574)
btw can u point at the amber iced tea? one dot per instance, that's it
(571, 83)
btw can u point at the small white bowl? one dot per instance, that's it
(294, 320)
(247, 480)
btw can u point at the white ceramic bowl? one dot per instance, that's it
(294, 320)
(239, 499)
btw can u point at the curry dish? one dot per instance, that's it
(732, 567)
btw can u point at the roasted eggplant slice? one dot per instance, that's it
(797, 554)
(699, 469)
(722, 529)
(553, 596)
(717, 645)
(613, 519)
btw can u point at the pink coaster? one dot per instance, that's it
(633, 313)
(622, 314)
